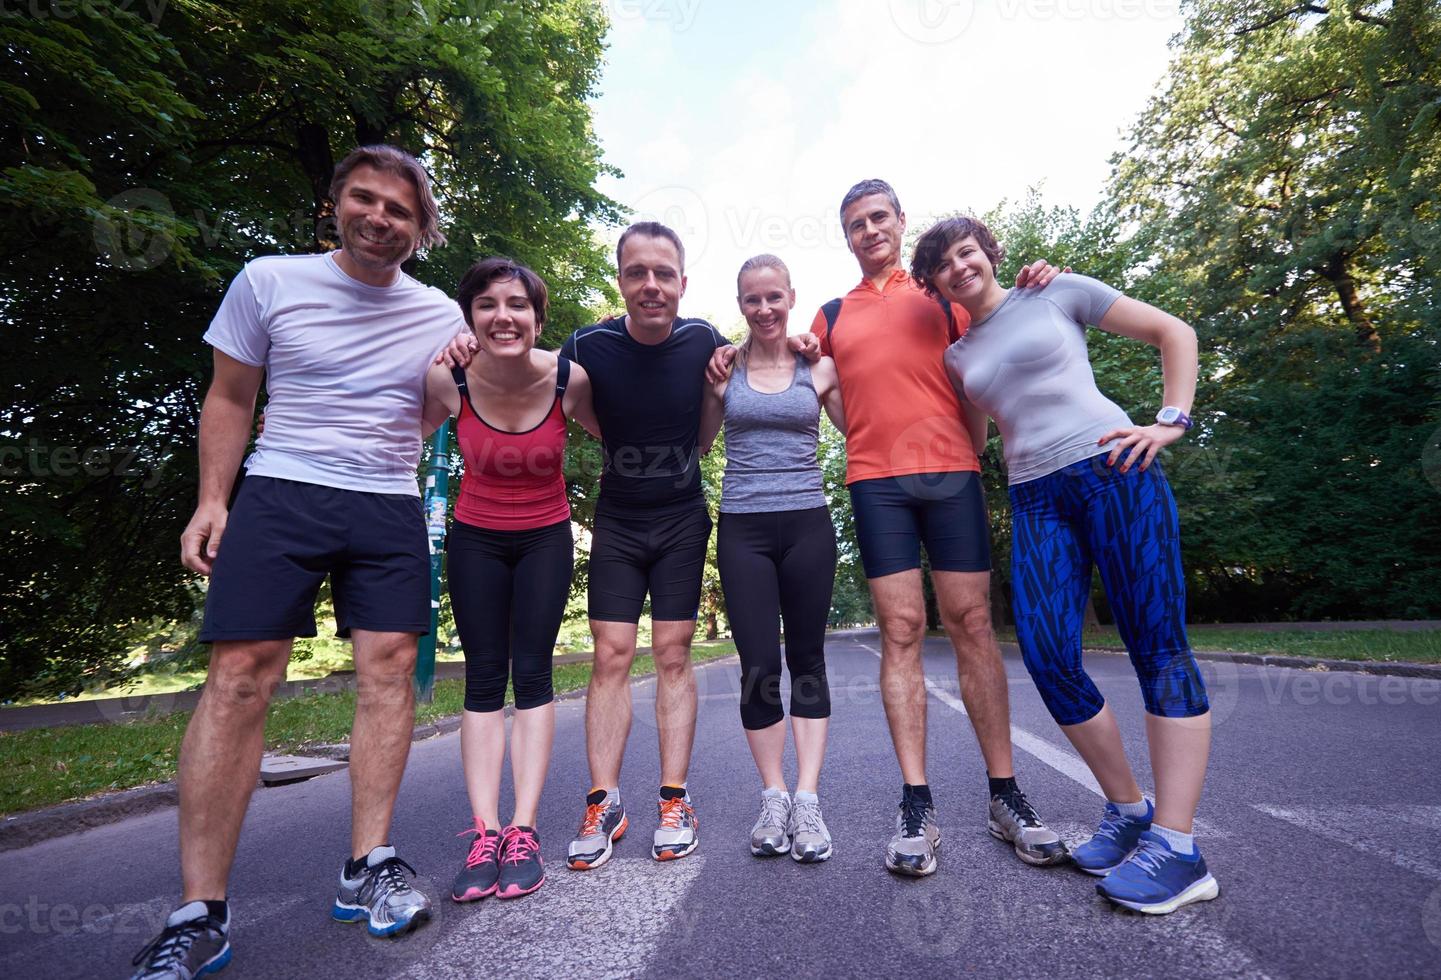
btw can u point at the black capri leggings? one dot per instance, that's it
(508, 591)
(772, 565)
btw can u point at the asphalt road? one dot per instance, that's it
(1320, 822)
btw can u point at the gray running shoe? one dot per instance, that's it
(192, 944)
(810, 840)
(604, 823)
(675, 837)
(1013, 819)
(771, 835)
(381, 897)
(913, 850)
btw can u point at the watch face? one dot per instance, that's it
(1168, 415)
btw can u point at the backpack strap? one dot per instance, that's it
(562, 375)
(458, 373)
(832, 311)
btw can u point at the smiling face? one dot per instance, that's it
(504, 319)
(766, 299)
(873, 233)
(378, 215)
(964, 272)
(651, 282)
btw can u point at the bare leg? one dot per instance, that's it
(901, 613)
(607, 702)
(1099, 742)
(964, 599)
(220, 759)
(810, 736)
(768, 746)
(675, 697)
(380, 737)
(1180, 749)
(482, 751)
(531, 734)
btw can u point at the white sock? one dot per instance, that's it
(804, 797)
(1140, 810)
(1175, 840)
(775, 791)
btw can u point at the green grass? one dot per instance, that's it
(1417, 646)
(46, 766)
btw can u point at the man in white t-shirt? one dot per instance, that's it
(343, 341)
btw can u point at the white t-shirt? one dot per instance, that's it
(345, 368)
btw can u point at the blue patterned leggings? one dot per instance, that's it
(1126, 524)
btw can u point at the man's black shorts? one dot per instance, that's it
(630, 555)
(284, 537)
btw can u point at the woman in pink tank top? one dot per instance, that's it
(509, 557)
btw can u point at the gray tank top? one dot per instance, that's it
(1026, 366)
(771, 446)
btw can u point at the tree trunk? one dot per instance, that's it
(712, 628)
(319, 165)
(1336, 271)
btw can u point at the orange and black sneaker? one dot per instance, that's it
(676, 835)
(604, 823)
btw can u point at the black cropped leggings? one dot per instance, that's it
(774, 565)
(508, 591)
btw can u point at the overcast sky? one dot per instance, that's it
(741, 123)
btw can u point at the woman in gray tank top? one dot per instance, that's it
(1023, 362)
(776, 549)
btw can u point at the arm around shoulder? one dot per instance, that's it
(442, 399)
(579, 401)
(828, 391)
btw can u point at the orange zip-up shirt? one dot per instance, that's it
(901, 411)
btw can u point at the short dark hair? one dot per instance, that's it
(501, 269)
(865, 189)
(932, 246)
(393, 160)
(650, 229)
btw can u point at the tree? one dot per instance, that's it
(1287, 182)
(145, 162)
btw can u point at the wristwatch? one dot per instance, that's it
(1171, 415)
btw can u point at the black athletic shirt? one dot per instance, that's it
(648, 403)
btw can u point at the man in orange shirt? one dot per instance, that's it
(914, 477)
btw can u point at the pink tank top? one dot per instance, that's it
(513, 481)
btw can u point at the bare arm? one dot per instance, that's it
(225, 421)
(712, 414)
(579, 404)
(442, 399)
(828, 390)
(977, 426)
(1179, 366)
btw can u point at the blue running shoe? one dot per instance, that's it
(1113, 842)
(1156, 880)
(381, 897)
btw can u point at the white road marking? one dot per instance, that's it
(609, 922)
(1339, 822)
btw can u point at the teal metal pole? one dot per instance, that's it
(436, 502)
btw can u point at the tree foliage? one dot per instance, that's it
(144, 161)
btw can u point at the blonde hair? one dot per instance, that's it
(762, 261)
